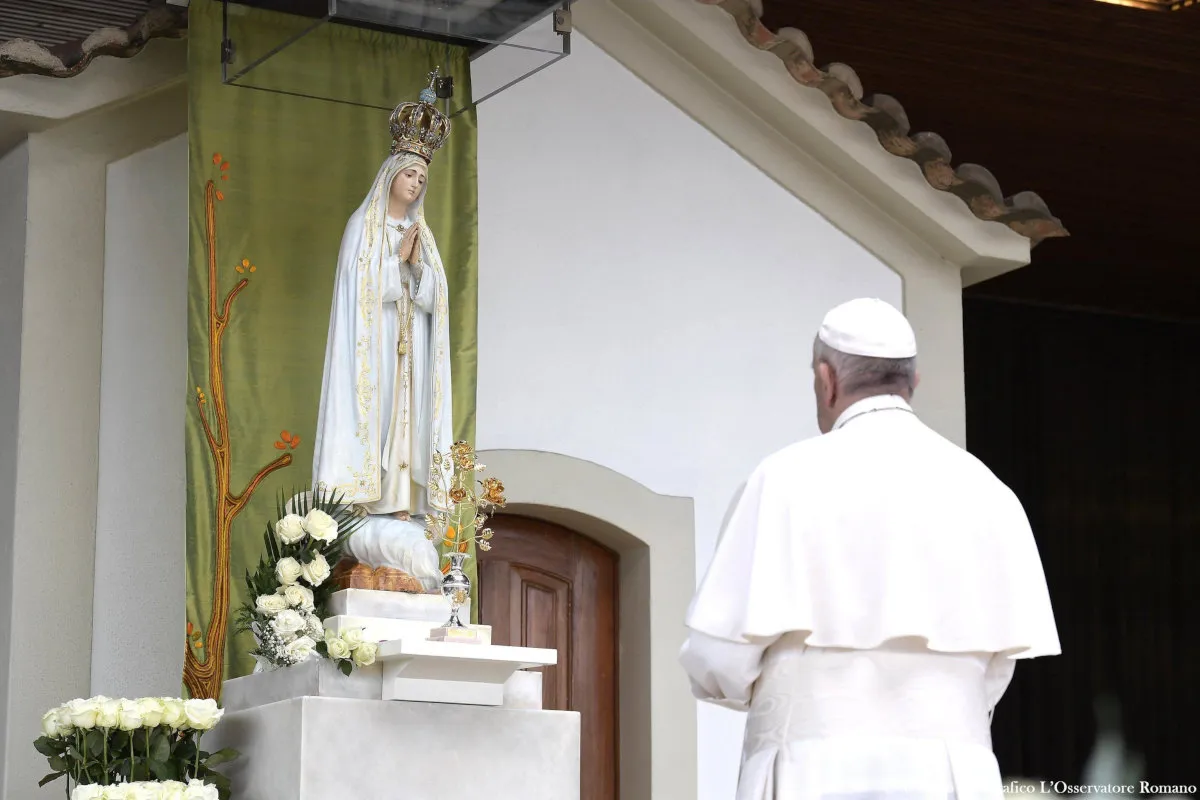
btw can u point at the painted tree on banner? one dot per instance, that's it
(204, 658)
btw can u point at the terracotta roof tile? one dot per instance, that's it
(63, 53)
(1025, 212)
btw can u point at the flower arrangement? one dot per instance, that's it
(291, 587)
(132, 749)
(145, 790)
(469, 510)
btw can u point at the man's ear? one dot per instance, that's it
(828, 384)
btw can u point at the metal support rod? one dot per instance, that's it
(278, 49)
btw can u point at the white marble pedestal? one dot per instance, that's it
(321, 678)
(327, 748)
(384, 616)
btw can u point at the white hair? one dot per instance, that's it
(864, 374)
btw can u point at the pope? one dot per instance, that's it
(871, 593)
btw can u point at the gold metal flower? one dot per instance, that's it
(463, 455)
(493, 491)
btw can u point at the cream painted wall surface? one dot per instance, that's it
(59, 423)
(142, 385)
(14, 194)
(648, 301)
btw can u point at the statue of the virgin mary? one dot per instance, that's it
(385, 392)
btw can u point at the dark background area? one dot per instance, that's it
(1094, 106)
(1094, 421)
(1082, 369)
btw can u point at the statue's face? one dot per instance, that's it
(409, 182)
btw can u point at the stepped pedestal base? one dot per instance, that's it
(321, 678)
(452, 672)
(322, 748)
(382, 629)
(393, 605)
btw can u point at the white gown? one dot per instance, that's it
(866, 604)
(399, 468)
(898, 722)
(384, 540)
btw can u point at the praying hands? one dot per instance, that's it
(410, 248)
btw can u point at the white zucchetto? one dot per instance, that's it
(868, 327)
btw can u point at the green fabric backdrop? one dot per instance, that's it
(281, 175)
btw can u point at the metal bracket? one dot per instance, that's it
(444, 87)
(562, 20)
(228, 50)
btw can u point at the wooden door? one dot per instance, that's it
(543, 585)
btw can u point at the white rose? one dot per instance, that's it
(143, 790)
(298, 596)
(64, 719)
(50, 723)
(337, 647)
(152, 711)
(288, 570)
(173, 715)
(302, 649)
(364, 654)
(270, 604)
(109, 714)
(202, 715)
(116, 792)
(288, 622)
(89, 791)
(290, 529)
(172, 790)
(83, 713)
(196, 790)
(353, 637)
(130, 715)
(316, 629)
(320, 526)
(316, 571)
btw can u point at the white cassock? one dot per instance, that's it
(386, 389)
(866, 604)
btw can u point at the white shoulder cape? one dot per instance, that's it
(879, 530)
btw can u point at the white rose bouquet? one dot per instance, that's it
(147, 790)
(147, 747)
(289, 591)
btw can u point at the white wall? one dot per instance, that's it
(55, 501)
(14, 193)
(648, 300)
(142, 382)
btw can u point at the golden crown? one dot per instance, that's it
(419, 127)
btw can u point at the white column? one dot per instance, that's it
(14, 190)
(143, 391)
(57, 454)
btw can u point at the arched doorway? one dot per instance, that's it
(544, 585)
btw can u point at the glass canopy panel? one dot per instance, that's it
(288, 52)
